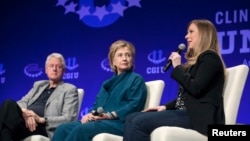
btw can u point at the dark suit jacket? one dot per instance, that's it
(203, 87)
(61, 107)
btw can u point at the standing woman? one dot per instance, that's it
(201, 79)
(119, 96)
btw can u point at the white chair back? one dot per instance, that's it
(80, 98)
(155, 89)
(233, 89)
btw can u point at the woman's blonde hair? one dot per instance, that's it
(117, 45)
(208, 40)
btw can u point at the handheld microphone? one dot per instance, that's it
(181, 47)
(97, 112)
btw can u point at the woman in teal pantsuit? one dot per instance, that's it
(122, 94)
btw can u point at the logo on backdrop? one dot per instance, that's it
(71, 66)
(33, 70)
(155, 57)
(229, 39)
(2, 71)
(99, 14)
(105, 65)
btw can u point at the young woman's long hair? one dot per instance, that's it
(208, 40)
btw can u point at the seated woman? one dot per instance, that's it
(201, 79)
(119, 96)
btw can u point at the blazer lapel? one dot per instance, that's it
(39, 92)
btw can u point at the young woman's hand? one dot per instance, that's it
(157, 108)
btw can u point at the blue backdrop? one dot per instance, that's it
(82, 30)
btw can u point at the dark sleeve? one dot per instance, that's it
(202, 74)
(170, 105)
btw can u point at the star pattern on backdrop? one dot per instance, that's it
(118, 8)
(70, 8)
(61, 2)
(83, 11)
(100, 12)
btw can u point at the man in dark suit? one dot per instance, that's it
(48, 104)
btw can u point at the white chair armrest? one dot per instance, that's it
(107, 137)
(167, 133)
(36, 138)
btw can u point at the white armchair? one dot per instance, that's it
(154, 93)
(43, 138)
(233, 88)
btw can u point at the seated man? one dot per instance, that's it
(48, 104)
